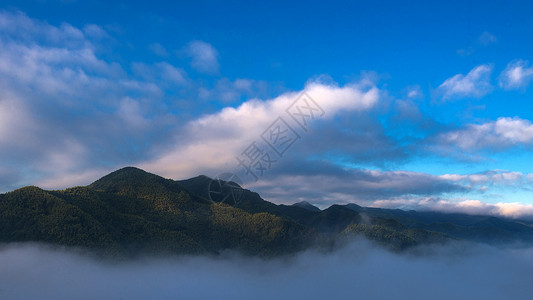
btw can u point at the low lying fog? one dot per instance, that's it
(359, 270)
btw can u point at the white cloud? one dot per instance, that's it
(500, 134)
(211, 142)
(204, 57)
(516, 75)
(474, 84)
(482, 181)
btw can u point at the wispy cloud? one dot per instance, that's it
(204, 57)
(487, 38)
(484, 40)
(414, 92)
(475, 84)
(158, 49)
(161, 73)
(516, 75)
(230, 91)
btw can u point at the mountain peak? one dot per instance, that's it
(128, 176)
(306, 205)
(28, 189)
(129, 170)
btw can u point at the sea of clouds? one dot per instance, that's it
(358, 270)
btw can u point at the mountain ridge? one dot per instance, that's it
(131, 211)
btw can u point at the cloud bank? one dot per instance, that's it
(69, 115)
(209, 145)
(357, 271)
(467, 206)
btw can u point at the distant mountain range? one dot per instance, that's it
(131, 212)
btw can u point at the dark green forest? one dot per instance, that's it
(131, 212)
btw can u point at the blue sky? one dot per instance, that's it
(426, 104)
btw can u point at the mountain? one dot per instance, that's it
(331, 220)
(306, 205)
(130, 212)
(477, 228)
